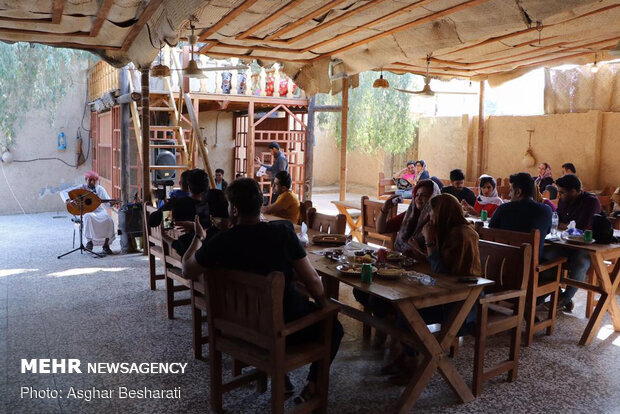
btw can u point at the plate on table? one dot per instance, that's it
(390, 272)
(576, 240)
(352, 269)
(366, 258)
(392, 256)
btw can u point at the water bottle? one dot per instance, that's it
(555, 219)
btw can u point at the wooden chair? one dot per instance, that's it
(175, 282)
(245, 319)
(536, 287)
(503, 191)
(199, 305)
(325, 223)
(303, 211)
(153, 245)
(508, 266)
(385, 187)
(605, 201)
(370, 212)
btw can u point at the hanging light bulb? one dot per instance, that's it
(381, 82)
(594, 67)
(160, 70)
(192, 70)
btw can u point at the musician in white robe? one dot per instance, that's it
(98, 225)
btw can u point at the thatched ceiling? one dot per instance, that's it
(465, 38)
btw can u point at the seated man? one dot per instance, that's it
(522, 213)
(98, 225)
(184, 209)
(220, 182)
(569, 168)
(579, 206)
(458, 189)
(287, 203)
(261, 247)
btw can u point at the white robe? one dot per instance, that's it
(98, 225)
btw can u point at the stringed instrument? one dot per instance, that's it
(86, 199)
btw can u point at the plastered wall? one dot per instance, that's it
(221, 146)
(35, 185)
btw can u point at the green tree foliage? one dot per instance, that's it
(378, 118)
(33, 77)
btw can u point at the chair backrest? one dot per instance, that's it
(325, 223)
(507, 266)
(513, 238)
(383, 183)
(154, 235)
(503, 191)
(245, 305)
(605, 201)
(370, 211)
(303, 211)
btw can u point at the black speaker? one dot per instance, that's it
(164, 156)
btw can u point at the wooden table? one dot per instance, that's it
(356, 224)
(408, 297)
(607, 286)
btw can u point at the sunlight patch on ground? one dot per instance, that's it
(604, 333)
(87, 271)
(11, 272)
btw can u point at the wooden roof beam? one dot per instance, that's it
(273, 58)
(270, 19)
(306, 18)
(102, 15)
(137, 27)
(57, 9)
(216, 44)
(367, 25)
(529, 30)
(226, 19)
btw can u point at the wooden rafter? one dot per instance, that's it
(102, 15)
(273, 58)
(306, 18)
(81, 46)
(548, 61)
(216, 44)
(370, 24)
(529, 30)
(57, 9)
(142, 20)
(226, 19)
(332, 22)
(417, 22)
(292, 4)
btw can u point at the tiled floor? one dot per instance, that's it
(101, 310)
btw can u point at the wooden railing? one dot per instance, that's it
(266, 83)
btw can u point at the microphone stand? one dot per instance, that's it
(81, 248)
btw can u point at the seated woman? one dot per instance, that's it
(405, 180)
(540, 199)
(421, 171)
(487, 199)
(616, 199)
(409, 237)
(544, 177)
(451, 248)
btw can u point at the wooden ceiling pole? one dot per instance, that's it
(332, 22)
(270, 58)
(344, 130)
(269, 19)
(226, 19)
(137, 27)
(368, 25)
(306, 18)
(417, 22)
(57, 9)
(102, 15)
(217, 44)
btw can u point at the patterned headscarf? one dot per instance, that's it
(415, 218)
(546, 173)
(494, 197)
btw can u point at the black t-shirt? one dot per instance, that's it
(524, 216)
(464, 194)
(260, 248)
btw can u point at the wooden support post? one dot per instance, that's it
(479, 162)
(193, 116)
(309, 154)
(146, 138)
(125, 156)
(250, 152)
(343, 138)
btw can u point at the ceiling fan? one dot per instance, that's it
(426, 90)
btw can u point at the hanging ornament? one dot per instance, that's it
(528, 159)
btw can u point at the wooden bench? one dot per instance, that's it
(385, 187)
(153, 245)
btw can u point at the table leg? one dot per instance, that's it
(331, 287)
(354, 225)
(607, 301)
(436, 351)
